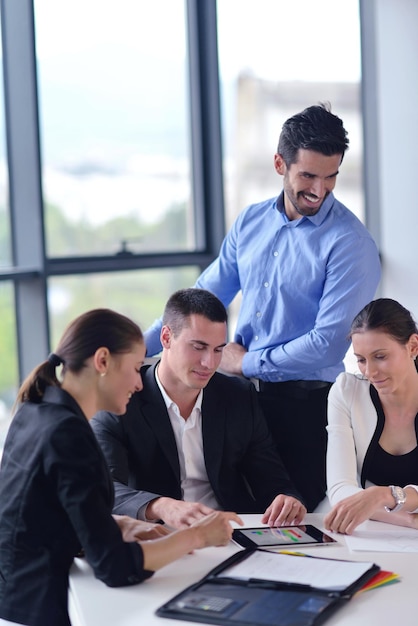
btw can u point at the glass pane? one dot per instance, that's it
(114, 130)
(286, 56)
(8, 356)
(5, 238)
(141, 295)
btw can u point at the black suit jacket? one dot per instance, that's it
(56, 496)
(241, 460)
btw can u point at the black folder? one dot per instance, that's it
(219, 598)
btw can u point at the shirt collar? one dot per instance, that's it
(169, 402)
(315, 219)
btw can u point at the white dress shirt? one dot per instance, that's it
(195, 485)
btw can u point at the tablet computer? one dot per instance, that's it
(281, 537)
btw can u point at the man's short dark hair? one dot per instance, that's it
(316, 129)
(192, 301)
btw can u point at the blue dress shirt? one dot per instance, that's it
(302, 283)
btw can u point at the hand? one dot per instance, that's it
(215, 529)
(284, 510)
(176, 513)
(232, 356)
(347, 514)
(369, 503)
(212, 530)
(136, 530)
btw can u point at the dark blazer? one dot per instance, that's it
(56, 496)
(240, 455)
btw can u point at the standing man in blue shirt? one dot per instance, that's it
(305, 266)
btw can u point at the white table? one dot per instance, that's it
(94, 604)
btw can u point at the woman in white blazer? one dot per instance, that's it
(372, 457)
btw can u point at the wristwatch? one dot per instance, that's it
(399, 497)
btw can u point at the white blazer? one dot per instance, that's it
(352, 421)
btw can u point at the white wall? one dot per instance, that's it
(390, 106)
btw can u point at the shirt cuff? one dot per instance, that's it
(251, 364)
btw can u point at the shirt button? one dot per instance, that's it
(255, 337)
(276, 253)
(258, 314)
(266, 284)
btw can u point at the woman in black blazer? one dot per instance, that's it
(56, 494)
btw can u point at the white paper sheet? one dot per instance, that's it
(319, 573)
(380, 537)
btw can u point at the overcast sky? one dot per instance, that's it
(277, 39)
(291, 40)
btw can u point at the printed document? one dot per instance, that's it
(373, 536)
(318, 573)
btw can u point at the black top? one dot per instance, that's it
(56, 497)
(391, 469)
(381, 467)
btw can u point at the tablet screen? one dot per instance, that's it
(282, 536)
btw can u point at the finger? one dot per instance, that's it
(283, 515)
(296, 514)
(180, 524)
(234, 517)
(151, 532)
(266, 516)
(281, 520)
(274, 519)
(329, 519)
(160, 532)
(195, 516)
(340, 522)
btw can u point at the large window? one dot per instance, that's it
(114, 126)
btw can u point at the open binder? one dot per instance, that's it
(260, 588)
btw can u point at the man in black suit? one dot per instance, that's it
(194, 440)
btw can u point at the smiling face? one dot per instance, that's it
(385, 362)
(191, 358)
(307, 182)
(122, 379)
